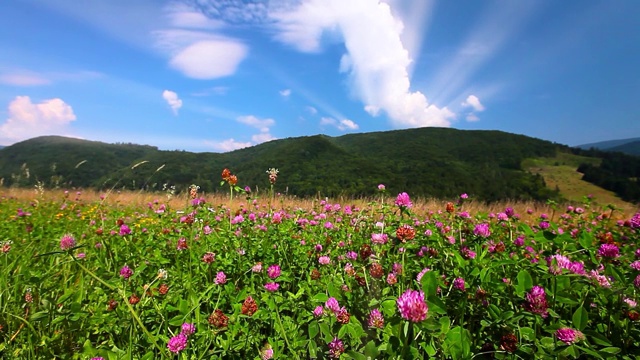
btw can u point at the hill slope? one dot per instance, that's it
(429, 162)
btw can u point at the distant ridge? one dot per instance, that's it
(629, 146)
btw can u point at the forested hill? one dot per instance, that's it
(430, 162)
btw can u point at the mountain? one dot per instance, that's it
(629, 146)
(426, 162)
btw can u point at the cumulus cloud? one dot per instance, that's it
(28, 119)
(375, 59)
(342, 125)
(473, 102)
(285, 92)
(228, 145)
(172, 100)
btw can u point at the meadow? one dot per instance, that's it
(137, 275)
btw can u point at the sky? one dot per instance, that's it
(219, 75)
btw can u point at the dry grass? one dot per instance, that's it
(131, 199)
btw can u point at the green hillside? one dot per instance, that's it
(427, 162)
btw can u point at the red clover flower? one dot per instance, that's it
(412, 306)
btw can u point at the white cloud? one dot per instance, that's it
(24, 77)
(227, 145)
(209, 59)
(262, 124)
(312, 110)
(342, 125)
(27, 120)
(285, 92)
(23, 80)
(473, 102)
(262, 137)
(376, 61)
(172, 100)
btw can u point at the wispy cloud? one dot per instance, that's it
(285, 93)
(262, 124)
(28, 119)
(24, 77)
(376, 61)
(172, 100)
(227, 145)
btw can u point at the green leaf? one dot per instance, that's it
(355, 355)
(371, 351)
(580, 318)
(445, 324)
(314, 329)
(320, 298)
(525, 282)
(436, 305)
(610, 350)
(429, 283)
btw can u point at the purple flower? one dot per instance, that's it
(332, 304)
(635, 221)
(544, 225)
(124, 230)
(126, 272)
(324, 260)
(609, 251)
(482, 230)
(209, 257)
(636, 281)
(352, 255)
(464, 196)
(274, 271)
(336, 348)
(376, 320)
(458, 283)
(221, 278)
(177, 343)
(67, 242)
(188, 329)
(421, 274)
(380, 239)
(635, 265)
(569, 335)
(97, 358)
(272, 286)
(317, 312)
(403, 200)
(412, 306)
(381, 187)
(536, 301)
(267, 352)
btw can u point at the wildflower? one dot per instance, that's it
(569, 335)
(182, 244)
(257, 268)
(392, 279)
(163, 289)
(464, 196)
(519, 241)
(403, 201)
(67, 242)
(233, 180)
(352, 255)
(537, 301)
(112, 305)
(273, 175)
(632, 303)
(332, 304)
(421, 274)
(336, 348)
(458, 283)
(635, 265)
(602, 280)
(218, 319)
(380, 239)
(6, 246)
(509, 343)
(209, 257)
(609, 251)
(376, 271)
(126, 272)
(188, 329)
(134, 299)
(226, 173)
(405, 232)
(324, 260)
(376, 320)
(365, 252)
(272, 286)
(412, 306)
(381, 187)
(124, 230)
(317, 312)
(162, 274)
(635, 221)
(221, 278)
(482, 230)
(544, 225)
(348, 268)
(28, 296)
(315, 274)
(468, 253)
(274, 271)
(343, 316)
(193, 191)
(97, 358)
(267, 352)
(177, 343)
(249, 306)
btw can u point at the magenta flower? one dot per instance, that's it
(182, 244)
(568, 335)
(67, 242)
(536, 301)
(635, 221)
(376, 320)
(403, 200)
(274, 271)
(272, 286)
(317, 312)
(267, 352)
(332, 304)
(209, 257)
(609, 251)
(177, 343)
(124, 230)
(381, 187)
(336, 348)
(221, 278)
(412, 306)
(126, 272)
(380, 239)
(188, 329)
(324, 260)
(482, 230)
(458, 283)
(421, 274)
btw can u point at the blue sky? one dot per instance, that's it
(217, 75)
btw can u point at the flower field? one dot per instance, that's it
(253, 278)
